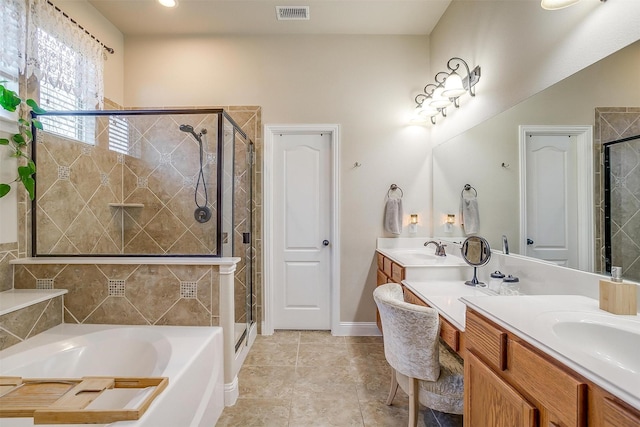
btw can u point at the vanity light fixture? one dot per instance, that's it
(168, 3)
(448, 225)
(413, 224)
(449, 86)
(559, 4)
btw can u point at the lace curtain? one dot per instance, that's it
(63, 55)
(12, 39)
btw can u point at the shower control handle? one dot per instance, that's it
(325, 243)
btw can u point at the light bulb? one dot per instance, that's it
(438, 100)
(453, 87)
(168, 3)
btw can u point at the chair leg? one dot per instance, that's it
(394, 387)
(414, 403)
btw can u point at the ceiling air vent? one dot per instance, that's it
(292, 13)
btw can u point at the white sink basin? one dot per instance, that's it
(613, 344)
(609, 339)
(423, 257)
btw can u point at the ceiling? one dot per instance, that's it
(147, 17)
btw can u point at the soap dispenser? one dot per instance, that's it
(616, 296)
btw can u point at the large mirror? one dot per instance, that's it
(592, 107)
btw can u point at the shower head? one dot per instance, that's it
(187, 128)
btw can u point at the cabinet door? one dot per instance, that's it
(491, 402)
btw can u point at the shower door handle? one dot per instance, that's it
(325, 243)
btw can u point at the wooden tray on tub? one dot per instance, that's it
(63, 401)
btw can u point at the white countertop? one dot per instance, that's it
(532, 317)
(444, 296)
(16, 299)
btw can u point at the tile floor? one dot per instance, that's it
(310, 378)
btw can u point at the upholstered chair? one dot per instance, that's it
(423, 367)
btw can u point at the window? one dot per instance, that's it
(68, 64)
(119, 135)
(12, 47)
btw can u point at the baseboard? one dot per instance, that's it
(357, 329)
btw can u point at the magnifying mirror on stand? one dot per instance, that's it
(476, 252)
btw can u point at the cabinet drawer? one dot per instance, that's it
(382, 278)
(380, 261)
(449, 334)
(486, 340)
(560, 393)
(386, 266)
(397, 273)
(615, 415)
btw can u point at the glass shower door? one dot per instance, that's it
(238, 222)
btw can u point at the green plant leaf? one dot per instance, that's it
(37, 124)
(4, 189)
(9, 99)
(32, 166)
(29, 135)
(4, 141)
(25, 173)
(35, 107)
(18, 139)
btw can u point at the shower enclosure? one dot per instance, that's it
(163, 183)
(622, 206)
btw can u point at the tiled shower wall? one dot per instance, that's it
(79, 185)
(612, 124)
(161, 286)
(140, 294)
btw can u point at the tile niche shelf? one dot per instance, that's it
(126, 205)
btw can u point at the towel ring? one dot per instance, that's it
(468, 187)
(394, 187)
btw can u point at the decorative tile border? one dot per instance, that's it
(116, 288)
(44, 283)
(64, 173)
(189, 290)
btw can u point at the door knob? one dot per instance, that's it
(325, 242)
(529, 242)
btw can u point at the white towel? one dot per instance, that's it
(469, 214)
(393, 216)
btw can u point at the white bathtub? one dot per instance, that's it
(191, 357)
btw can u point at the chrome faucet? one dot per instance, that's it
(439, 247)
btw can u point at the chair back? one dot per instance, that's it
(410, 333)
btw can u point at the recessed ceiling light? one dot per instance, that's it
(168, 3)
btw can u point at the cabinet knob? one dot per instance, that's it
(325, 243)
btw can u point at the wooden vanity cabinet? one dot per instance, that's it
(491, 401)
(508, 379)
(453, 337)
(388, 272)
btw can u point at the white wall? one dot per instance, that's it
(9, 203)
(362, 83)
(523, 49)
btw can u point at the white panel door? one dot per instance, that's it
(302, 212)
(551, 199)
